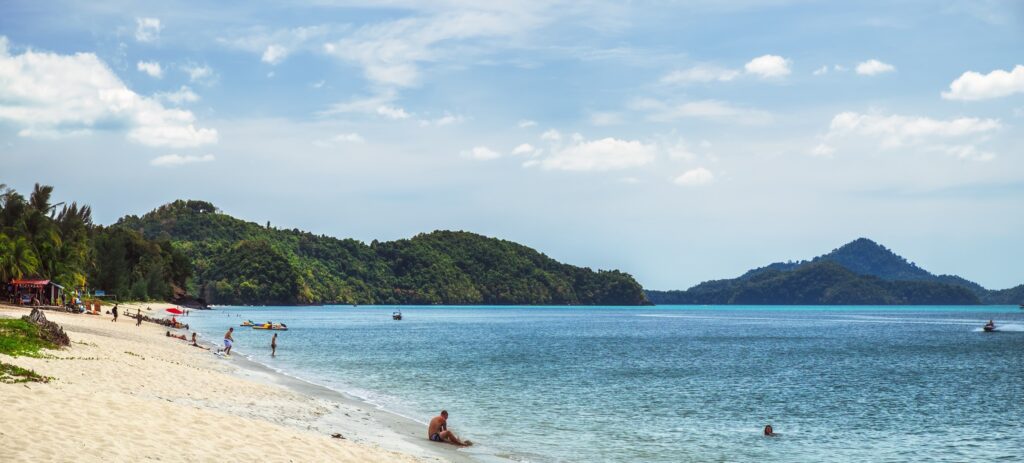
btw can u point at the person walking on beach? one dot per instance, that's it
(138, 318)
(273, 346)
(437, 431)
(114, 313)
(228, 341)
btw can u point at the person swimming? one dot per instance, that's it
(768, 431)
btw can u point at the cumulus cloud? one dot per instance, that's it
(49, 94)
(172, 160)
(700, 74)
(695, 177)
(481, 153)
(598, 155)
(956, 137)
(551, 135)
(973, 86)
(181, 96)
(379, 105)
(147, 29)
(768, 66)
(873, 67)
(150, 67)
(274, 54)
(199, 73)
(525, 149)
(704, 109)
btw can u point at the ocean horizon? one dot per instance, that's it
(669, 383)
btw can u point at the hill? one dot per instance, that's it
(239, 262)
(859, 272)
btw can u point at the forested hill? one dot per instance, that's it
(859, 272)
(239, 262)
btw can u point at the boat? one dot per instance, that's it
(248, 323)
(396, 315)
(271, 326)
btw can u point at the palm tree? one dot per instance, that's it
(16, 258)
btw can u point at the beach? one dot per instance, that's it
(125, 392)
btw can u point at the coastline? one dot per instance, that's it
(121, 391)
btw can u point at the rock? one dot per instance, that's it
(48, 330)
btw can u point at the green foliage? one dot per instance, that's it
(837, 278)
(241, 262)
(13, 374)
(37, 240)
(21, 338)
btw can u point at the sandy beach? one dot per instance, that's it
(124, 392)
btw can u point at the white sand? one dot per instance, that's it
(123, 393)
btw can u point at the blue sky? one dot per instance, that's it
(677, 141)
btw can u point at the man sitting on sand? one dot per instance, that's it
(228, 340)
(437, 431)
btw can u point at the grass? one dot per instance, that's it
(21, 338)
(12, 374)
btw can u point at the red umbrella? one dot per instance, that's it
(175, 311)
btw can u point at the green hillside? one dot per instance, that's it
(238, 262)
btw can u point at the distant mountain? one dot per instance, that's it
(239, 262)
(859, 272)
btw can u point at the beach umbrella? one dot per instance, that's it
(175, 311)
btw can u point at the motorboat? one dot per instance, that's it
(396, 315)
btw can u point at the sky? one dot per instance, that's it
(678, 141)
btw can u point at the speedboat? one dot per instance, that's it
(396, 315)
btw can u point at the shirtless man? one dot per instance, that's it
(228, 340)
(437, 431)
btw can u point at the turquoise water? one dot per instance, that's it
(669, 384)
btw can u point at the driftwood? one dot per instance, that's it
(50, 331)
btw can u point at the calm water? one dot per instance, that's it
(673, 383)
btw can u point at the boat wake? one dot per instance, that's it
(1009, 328)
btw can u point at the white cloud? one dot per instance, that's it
(551, 135)
(821, 71)
(526, 123)
(182, 95)
(768, 66)
(171, 160)
(598, 155)
(341, 138)
(873, 67)
(700, 74)
(703, 109)
(199, 73)
(150, 67)
(390, 53)
(147, 29)
(695, 177)
(525, 149)
(896, 130)
(447, 119)
(822, 150)
(274, 54)
(379, 105)
(972, 86)
(602, 119)
(839, 68)
(481, 153)
(50, 94)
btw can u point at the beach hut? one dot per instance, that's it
(36, 292)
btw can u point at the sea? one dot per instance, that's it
(670, 383)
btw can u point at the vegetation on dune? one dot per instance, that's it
(38, 240)
(20, 338)
(238, 262)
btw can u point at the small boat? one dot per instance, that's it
(248, 323)
(268, 326)
(397, 315)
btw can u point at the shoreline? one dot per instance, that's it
(117, 383)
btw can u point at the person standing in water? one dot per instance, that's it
(228, 341)
(273, 346)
